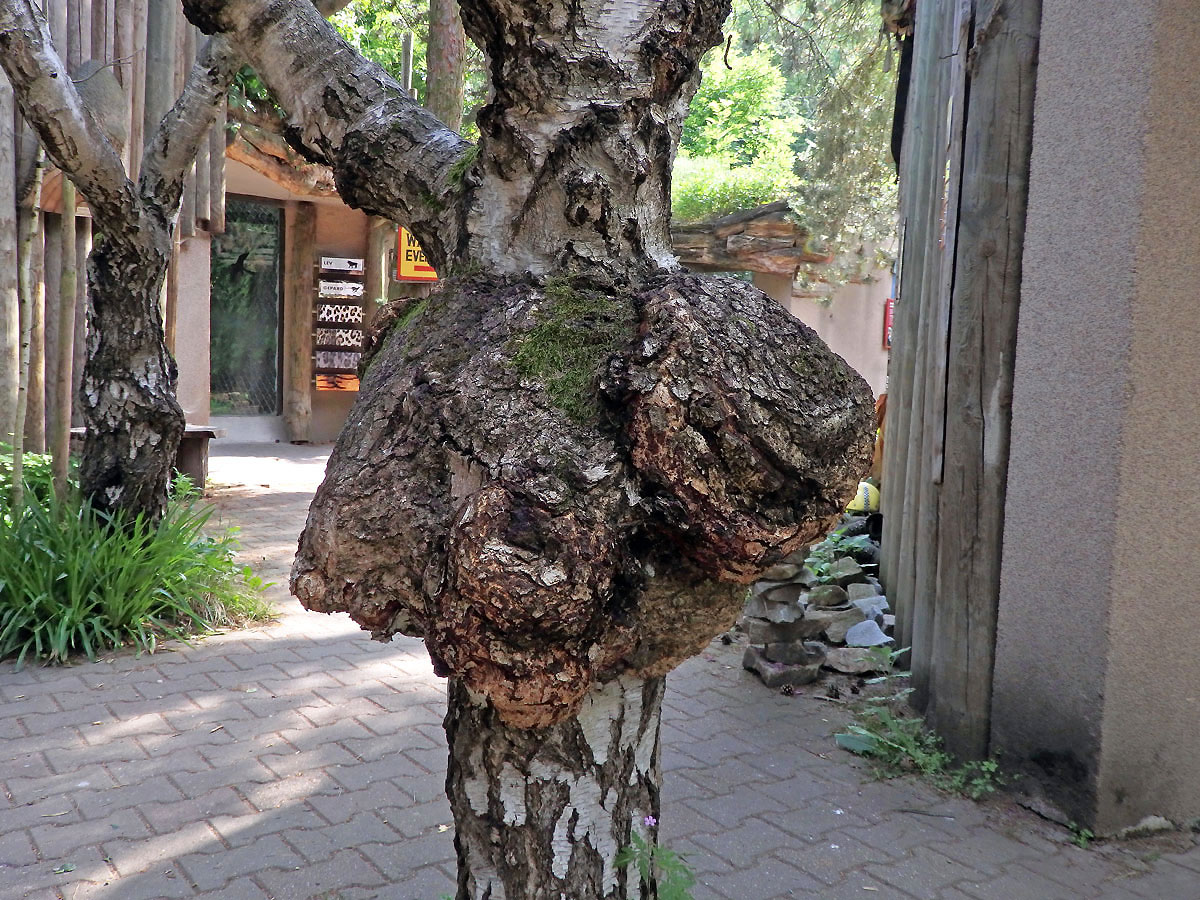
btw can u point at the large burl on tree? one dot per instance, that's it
(563, 468)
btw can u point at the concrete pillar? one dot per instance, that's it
(1097, 677)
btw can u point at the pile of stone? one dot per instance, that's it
(821, 608)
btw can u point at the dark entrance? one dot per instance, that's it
(244, 311)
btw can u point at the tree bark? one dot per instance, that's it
(445, 56)
(561, 800)
(564, 466)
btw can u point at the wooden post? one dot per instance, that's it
(10, 322)
(123, 49)
(160, 63)
(300, 248)
(381, 237)
(998, 140)
(406, 62)
(137, 112)
(79, 26)
(52, 265)
(216, 175)
(35, 411)
(185, 54)
(60, 432)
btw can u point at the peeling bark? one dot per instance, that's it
(536, 554)
(561, 801)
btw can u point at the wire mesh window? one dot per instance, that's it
(244, 311)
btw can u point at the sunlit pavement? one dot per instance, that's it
(303, 760)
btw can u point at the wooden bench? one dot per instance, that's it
(192, 458)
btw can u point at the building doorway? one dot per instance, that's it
(244, 311)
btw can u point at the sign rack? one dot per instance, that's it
(338, 320)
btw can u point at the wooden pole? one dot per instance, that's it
(216, 177)
(10, 321)
(160, 64)
(406, 62)
(381, 237)
(28, 234)
(60, 436)
(137, 111)
(300, 248)
(185, 55)
(35, 412)
(998, 141)
(52, 265)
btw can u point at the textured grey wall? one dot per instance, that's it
(1095, 655)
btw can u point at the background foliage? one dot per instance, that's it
(796, 105)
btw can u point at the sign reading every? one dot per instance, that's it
(411, 264)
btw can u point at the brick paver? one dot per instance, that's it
(303, 761)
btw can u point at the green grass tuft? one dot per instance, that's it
(74, 580)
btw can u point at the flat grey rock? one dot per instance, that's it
(827, 595)
(851, 660)
(760, 631)
(867, 634)
(833, 622)
(796, 653)
(862, 591)
(776, 675)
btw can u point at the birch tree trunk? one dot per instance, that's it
(563, 468)
(561, 800)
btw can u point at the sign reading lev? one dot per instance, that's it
(411, 264)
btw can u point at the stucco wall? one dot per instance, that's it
(850, 322)
(191, 328)
(1097, 676)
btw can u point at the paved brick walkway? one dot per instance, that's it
(303, 761)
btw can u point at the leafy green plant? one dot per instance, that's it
(74, 580)
(900, 744)
(822, 556)
(1081, 837)
(658, 864)
(36, 475)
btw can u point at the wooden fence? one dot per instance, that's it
(963, 190)
(142, 50)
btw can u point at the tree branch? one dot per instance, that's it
(173, 145)
(390, 156)
(49, 101)
(267, 154)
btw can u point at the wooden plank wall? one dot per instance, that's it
(117, 33)
(963, 191)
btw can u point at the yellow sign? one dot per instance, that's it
(411, 264)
